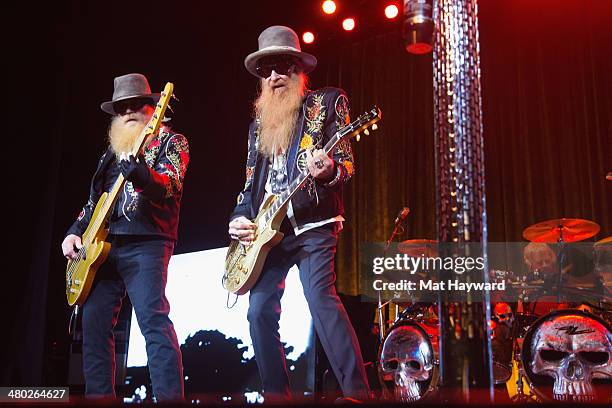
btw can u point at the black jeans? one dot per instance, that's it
(140, 265)
(313, 252)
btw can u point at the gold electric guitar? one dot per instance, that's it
(81, 271)
(243, 264)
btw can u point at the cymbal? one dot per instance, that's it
(607, 240)
(570, 229)
(419, 247)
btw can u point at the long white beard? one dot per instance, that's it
(123, 137)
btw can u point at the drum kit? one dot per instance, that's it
(563, 353)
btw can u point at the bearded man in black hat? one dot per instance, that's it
(142, 234)
(292, 125)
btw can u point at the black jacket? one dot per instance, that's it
(323, 112)
(155, 209)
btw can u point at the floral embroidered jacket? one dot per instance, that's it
(323, 112)
(154, 210)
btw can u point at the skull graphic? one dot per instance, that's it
(407, 358)
(503, 314)
(572, 348)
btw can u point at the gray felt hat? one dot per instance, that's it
(127, 87)
(279, 40)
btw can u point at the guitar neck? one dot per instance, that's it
(298, 182)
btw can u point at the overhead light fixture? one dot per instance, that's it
(418, 26)
(391, 11)
(329, 7)
(348, 24)
(308, 37)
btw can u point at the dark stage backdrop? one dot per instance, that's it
(547, 104)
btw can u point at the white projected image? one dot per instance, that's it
(199, 302)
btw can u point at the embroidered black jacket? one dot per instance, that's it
(323, 112)
(153, 210)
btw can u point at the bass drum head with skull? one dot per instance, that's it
(567, 356)
(408, 361)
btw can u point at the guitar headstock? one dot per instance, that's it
(160, 109)
(363, 124)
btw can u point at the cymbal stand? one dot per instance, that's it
(520, 395)
(560, 261)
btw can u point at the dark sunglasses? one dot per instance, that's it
(282, 66)
(121, 107)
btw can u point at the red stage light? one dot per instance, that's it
(348, 24)
(391, 11)
(308, 37)
(329, 7)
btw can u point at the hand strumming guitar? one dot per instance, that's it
(243, 230)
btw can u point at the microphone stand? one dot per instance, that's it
(381, 327)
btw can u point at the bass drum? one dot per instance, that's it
(567, 356)
(408, 360)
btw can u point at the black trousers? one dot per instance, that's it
(313, 252)
(139, 265)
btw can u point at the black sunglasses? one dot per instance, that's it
(136, 104)
(282, 66)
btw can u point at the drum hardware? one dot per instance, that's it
(561, 231)
(418, 384)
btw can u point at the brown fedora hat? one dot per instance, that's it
(279, 40)
(127, 87)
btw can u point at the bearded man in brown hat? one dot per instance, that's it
(142, 234)
(292, 125)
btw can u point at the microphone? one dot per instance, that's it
(402, 215)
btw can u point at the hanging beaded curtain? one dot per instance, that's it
(460, 175)
(465, 351)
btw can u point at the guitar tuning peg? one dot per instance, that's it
(174, 97)
(170, 108)
(358, 136)
(374, 126)
(366, 132)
